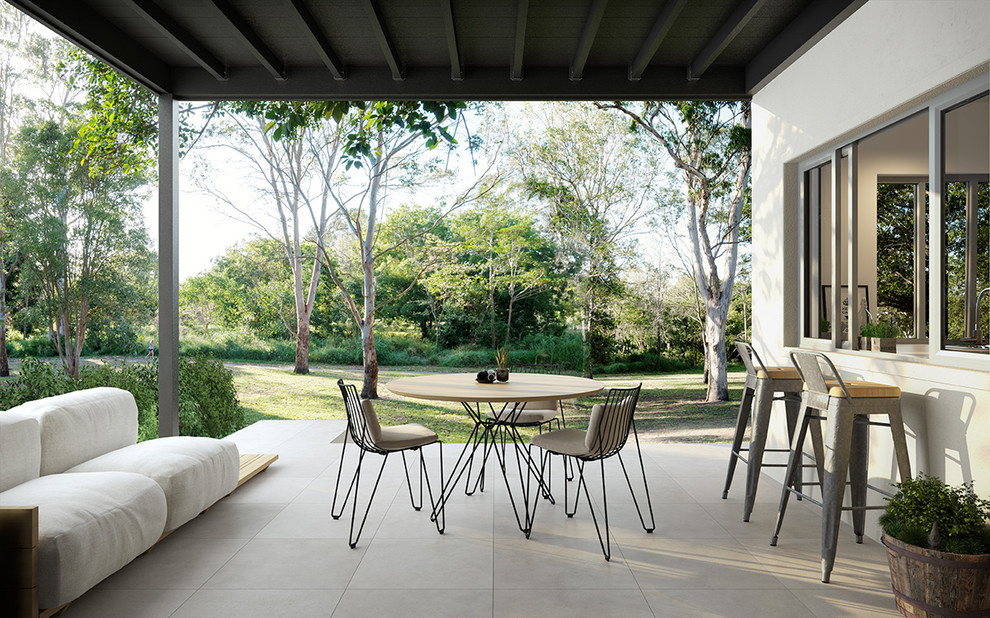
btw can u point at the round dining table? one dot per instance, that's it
(516, 392)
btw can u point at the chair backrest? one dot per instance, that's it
(748, 355)
(817, 370)
(608, 427)
(362, 422)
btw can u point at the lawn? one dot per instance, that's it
(671, 406)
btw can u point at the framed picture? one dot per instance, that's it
(862, 314)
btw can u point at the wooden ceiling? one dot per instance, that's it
(445, 49)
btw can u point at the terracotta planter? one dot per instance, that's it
(930, 583)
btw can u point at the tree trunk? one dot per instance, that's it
(718, 385)
(369, 389)
(302, 346)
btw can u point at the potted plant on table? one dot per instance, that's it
(502, 360)
(938, 548)
(881, 336)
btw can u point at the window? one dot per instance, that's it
(876, 233)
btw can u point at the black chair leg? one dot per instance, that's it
(334, 513)
(405, 467)
(353, 538)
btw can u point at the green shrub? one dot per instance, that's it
(208, 403)
(928, 513)
(880, 329)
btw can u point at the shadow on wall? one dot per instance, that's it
(776, 318)
(947, 421)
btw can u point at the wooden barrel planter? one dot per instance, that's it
(929, 583)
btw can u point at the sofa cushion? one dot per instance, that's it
(193, 472)
(81, 425)
(20, 449)
(89, 526)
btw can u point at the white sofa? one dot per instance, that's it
(102, 498)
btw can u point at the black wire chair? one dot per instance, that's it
(539, 414)
(370, 437)
(607, 433)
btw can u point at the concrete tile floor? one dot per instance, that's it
(271, 549)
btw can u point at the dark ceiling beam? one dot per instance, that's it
(522, 14)
(385, 40)
(456, 69)
(180, 37)
(249, 37)
(804, 32)
(729, 30)
(88, 30)
(480, 83)
(587, 38)
(318, 39)
(662, 26)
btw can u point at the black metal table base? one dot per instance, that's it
(493, 435)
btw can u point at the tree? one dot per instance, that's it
(293, 178)
(79, 232)
(584, 166)
(709, 143)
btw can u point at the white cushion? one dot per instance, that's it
(20, 449)
(563, 441)
(193, 472)
(89, 525)
(81, 425)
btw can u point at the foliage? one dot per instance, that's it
(926, 509)
(208, 403)
(583, 167)
(882, 329)
(502, 358)
(709, 143)
(427, 119)
(85, 250)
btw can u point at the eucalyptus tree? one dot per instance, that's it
(80, 233)
(291, 181)
(708, 142)
(584, 166)
(382, 148)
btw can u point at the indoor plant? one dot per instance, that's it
(881, 336)
(938, 548)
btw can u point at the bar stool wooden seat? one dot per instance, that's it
(847, 406)
(764, 385)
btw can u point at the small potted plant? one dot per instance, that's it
(938, 548)
(502, 361)
(880, 336)
(825, 328)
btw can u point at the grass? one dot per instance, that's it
(671, 407)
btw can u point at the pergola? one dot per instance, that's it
(423, 50)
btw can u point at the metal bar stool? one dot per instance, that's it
(846, 405)
(762, 384)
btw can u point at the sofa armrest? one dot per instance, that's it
(19, 561)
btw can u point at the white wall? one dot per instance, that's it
(882, 61)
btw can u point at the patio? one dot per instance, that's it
(271, 549)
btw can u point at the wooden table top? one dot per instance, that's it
(520, 387)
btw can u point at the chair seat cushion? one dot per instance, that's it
(193, 472)
(534, 413)
(405, 436)
(89, 526)
(563, 441)
(860, 388)
(779, 373)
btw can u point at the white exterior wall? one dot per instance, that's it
(885, 59)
